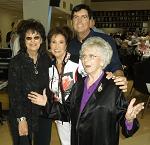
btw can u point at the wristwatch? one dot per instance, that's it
(21, 119)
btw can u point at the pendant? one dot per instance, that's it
(36, 71)
(35, 68)
(100, 88)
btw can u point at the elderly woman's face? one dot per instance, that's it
(91, 60)
(58, 45)
(32, 40)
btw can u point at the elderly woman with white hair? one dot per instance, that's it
(97, 105)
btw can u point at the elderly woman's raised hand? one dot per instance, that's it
(121, 81)
(132, 110)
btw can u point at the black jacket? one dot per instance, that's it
(98, 123)
(21, 80)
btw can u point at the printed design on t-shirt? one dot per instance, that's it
(67, 82)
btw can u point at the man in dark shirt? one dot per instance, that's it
(81, 19)
(75, 46)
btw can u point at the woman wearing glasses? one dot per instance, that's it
(97, 105)
(28, 71)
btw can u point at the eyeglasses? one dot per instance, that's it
(90, 57)
(30, 38)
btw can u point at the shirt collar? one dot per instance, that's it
(89, 35)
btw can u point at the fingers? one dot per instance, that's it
(33, 98)
(110, 75)
(37, 99)
(123, 88)
(23, 128)
(131, 103)
(129, 114)
(138, 108)
(23, 133)
(34, 93)
(44, 92)
(121, 82)
(132, 112)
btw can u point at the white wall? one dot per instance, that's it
(37, 9)
(6, 18)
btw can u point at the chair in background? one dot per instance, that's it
(141, 79)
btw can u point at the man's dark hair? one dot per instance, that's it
(80, 7)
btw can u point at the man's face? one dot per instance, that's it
(81, 21)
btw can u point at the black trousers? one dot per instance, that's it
(43, 135)
(40, 137)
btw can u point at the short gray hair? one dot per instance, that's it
(102, 46)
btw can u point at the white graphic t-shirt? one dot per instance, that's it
(68, 79)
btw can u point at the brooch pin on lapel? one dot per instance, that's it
(100, 88)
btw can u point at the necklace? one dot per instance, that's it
(35, 68)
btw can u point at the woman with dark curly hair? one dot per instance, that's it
(28, 71)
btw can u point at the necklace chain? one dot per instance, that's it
(35, 68)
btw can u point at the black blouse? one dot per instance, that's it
(23, 78)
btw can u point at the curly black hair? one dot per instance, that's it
(34, 26)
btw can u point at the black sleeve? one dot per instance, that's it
(47, 108)
(15, 90)
(122, 105)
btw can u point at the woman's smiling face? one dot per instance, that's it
(58, 45)
(33, 40)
